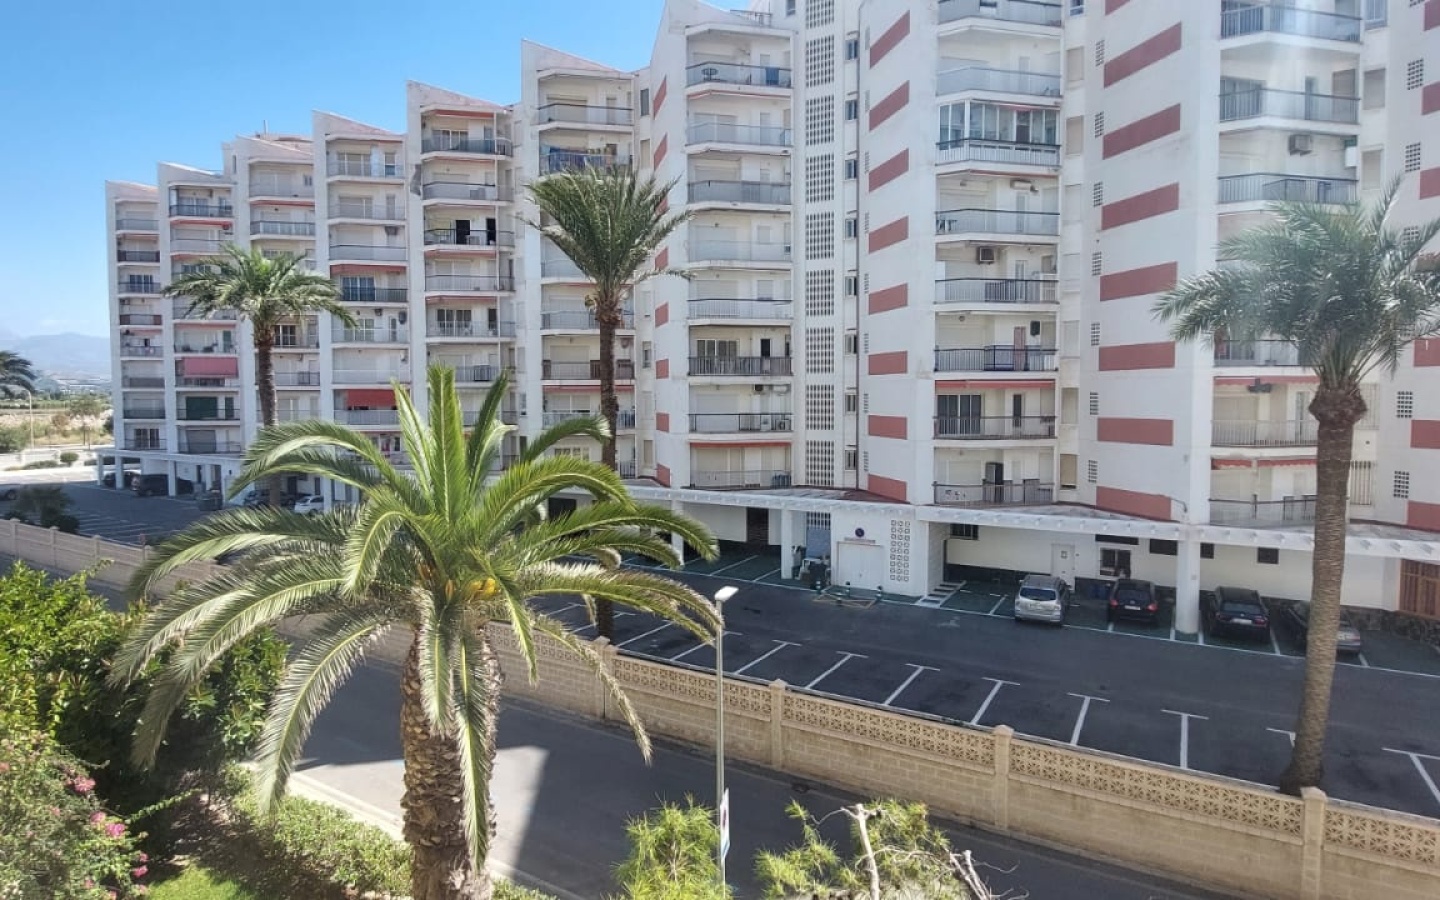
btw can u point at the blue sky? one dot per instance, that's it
(107, 92)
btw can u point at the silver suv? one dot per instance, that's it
(1042, 598)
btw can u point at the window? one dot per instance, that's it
(1267, 556)
(998, 123)
(852, 227)
(1207, 551)
(1099, 124)
(852, 169)
(851, 401)
(1092, 471)
(576, 452)
(1373, 89)
(1414, 74)
(1405, 404)
(852, 48)
(644, 101)
(852, 459)
(647, 352)
(965, 532)
(1094, 403)
(1115, 563)
(789, 7)
(852, 110)
(1097, 194)
(1097, 263)
(1412, 157)
(1164, 548)
(1400, 487)
(1094, 334)
(714, 348)
(852, 345)
(1117, 539)
(852, 285)
(1420, 589)
(1100, 53)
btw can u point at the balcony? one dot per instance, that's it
(364, 294)
(272, 185)
(998, 81)
(766, 193)
(197, 245)
(368, 252)
(624, 418)
(297, 379)
(722, 73)
(468, 374)
(140, 286)
(202, 210)
(136, 223)
(450, 237)
(584, 114)
(955, 222)
(282, 229)
(301, 341)
(767, 309)
(1252, 433)
(488, 284)
(557, 370)
(580, 320)
(137, 256)
(181, 311)
(735, 480)
(464, 191)
(739, 251)
(372, 418)
(199, 347)
(140, 351)
(143, 412)
(1011, 153)
(999, 358)
(495, 146)
(1285, 19)
(559, 159)
(1295, 511)
(994, 428)
(725, 133)
(508, 414)
(343, 209)
(742, 423)
(207, 382)
(142, 382)
(1256, 353)
(470, 329)
(362, 168)
(154, 443)
(191, 445)
(1271, 188)
(1023, 11)
(369, 376)
(561, 267)
(1026, 493)
(396, 335)
(741, 366)
(1253, 104)
(140, 319)
(207, 415)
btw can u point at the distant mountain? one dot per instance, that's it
(62, 354)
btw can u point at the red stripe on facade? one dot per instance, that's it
(1112, 5)
(897, 297)
(662, 475)
(1142, 131)
(662, 259)
(662, 422)
(889, 488)
(1138, 282)
(1128, 357)
(655, 110)
(1430, 183)
(887, 427)
(890, 170)
(1134, 503)
(887, 41)
(662, 368)
(897, 363)
(893, 103)
(1141, 206)
(1146, 53)
(1432, 14)
(1430, 99)
(1425, 516)
(1159, 432)
(1425, 434)
(1427, 352)
(662, 314)
(888, 235)
(661, 149)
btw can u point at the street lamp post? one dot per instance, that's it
(725, 593)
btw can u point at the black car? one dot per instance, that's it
(1131, 598)
(1297, 620)
(1235, 611)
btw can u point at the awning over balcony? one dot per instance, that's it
(209, 367)
(975, 384)
(1269, 463)
(370, 397)
(726, 445)
(1245, 381)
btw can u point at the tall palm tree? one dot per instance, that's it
(438, 554)
(265, 291)
(1350, 292)
(609, 222)
(17, 375)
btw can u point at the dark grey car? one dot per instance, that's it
(1347, 641)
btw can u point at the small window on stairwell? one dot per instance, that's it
(1404, 404)
(1400, 486)
(1094, 403)
(965, 531)
(1092, 471)
(1267, 556)
(1414, 74)
(1412, 157)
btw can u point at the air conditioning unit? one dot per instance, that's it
(392, 230)
(1352, 157)
(759, 388)
(985, 256)
(1301, 144)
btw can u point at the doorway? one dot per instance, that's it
(757, 527)
(1062, 562)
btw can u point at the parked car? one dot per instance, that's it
(1042, 598)
(1131, 598)
(1235, 611)
(1297, 619)
(309, 504)
(156, 484)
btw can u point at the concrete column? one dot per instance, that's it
(1003, 735)
(1187, 586)
(172, 476)
(99, 467)
(777, 724)
(1312, 834)
(787, 542)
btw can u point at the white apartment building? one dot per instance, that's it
(915, 332)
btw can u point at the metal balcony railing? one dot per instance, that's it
(264, 185)
(994, 427)
(1003, 152)
(756, 17)
(994, 290)
(362, 168)
(197, 245)
(136, 223)
(139, 319)
(449, 236)
(459, 190)
(371, 417)
(999, 81)
(742, 366)
(585, 114)
(624, 418)
(207, 382)
(725, 133)
(195, 446)
(580, 319)
(137, 256)
(732, 479)
(998, 358)
(740, 251)
(291, 229)
(297, 379)
(1252, 433)
(740, 309)
(496, 146)
(1026, 493)
(140, 350)
(470, 329)
(1294, 511)
(364, 294)
(559, 159)
(1269, 188)
(551, 369)
(737, 73)
(482, 283)
(741, 423)
(302, 341)
(142, 381)
(143, 412)
(508, 415)
(396, 335)
(1258, 102)
(367, 252)
(140, 286)
(560, 267)
(767, 192)
(202, 210)
(207, 415)
(1286, 19)
(342, 209)
(1026, 11)
(181, 311)
(472, 374)
(997, 221)
(1256, 353)
(143, 444)
(201, 347)
(369, 376)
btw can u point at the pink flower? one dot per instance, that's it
(115, 829)
(138, 872)
(54, 810)
(142, 856)
(97, 818)
(4, 767)
(83, 785)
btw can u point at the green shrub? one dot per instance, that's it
(672, 855)
(41, 464)
(13, 439)
(69, 457)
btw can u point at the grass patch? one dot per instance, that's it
(199, 883)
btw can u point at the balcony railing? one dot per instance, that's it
(199, 347)
(1285, 19)
(342, 209)
(297, 379)
(137, 256)
(459, 190)
(1027, 11)
(742, 366)
(371, 417)
(1258, 102)
(580, 319)
(997, 358)
(139, 350)
(994, 427)
(584, 114)
(142, 381)
(139, 319)
(471, 374)
(996, 221)
(369, 376)
(470, 329)
(1262, 512)
(202, 210)
(396, 335)
(1252, 433)
(197, 245)
(999, 81)
(367, 251)
(1002, 152)
(560, 267)
(364, 294)
(143, 444)
(182, 311)
(140, 286)
(737, 73)
(143, 412)
(766, 192)
(190, 445)
(362, 168)
(482, 283)
(557, 370)
(136, 223)
(207, 382)
(740, 309)
(207, 415)
(496, 146)
(1256, 353)
(741, 423)
(725, 133)
(557, 159)
(1026, 493)
(740, 251)
(291, 229)
(302, 341)
(624, 418)
(449, 236)
(1269, 187)
(736, 479)
(279, 186)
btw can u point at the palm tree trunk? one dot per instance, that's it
(265, 386)
(607, 316)
(434, 827)
(1337, 410)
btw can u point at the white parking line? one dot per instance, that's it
(998, 603)
(1110, 627)
(1365, 663)
(1084, 709)
(844, 658)
(913, 675)
(1289, 734)
(1274, 644)
(781, 645)
(731, 566)
(1415, 758)
(979, 713)
(618, 615)
(641, 637)
(1185, 734)
(761, 579)
(1200, 634)
(684, 653)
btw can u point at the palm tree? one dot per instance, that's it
(17, 375)
(1350, 293)
(609, 222)
(264, 291)
(439, 554)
